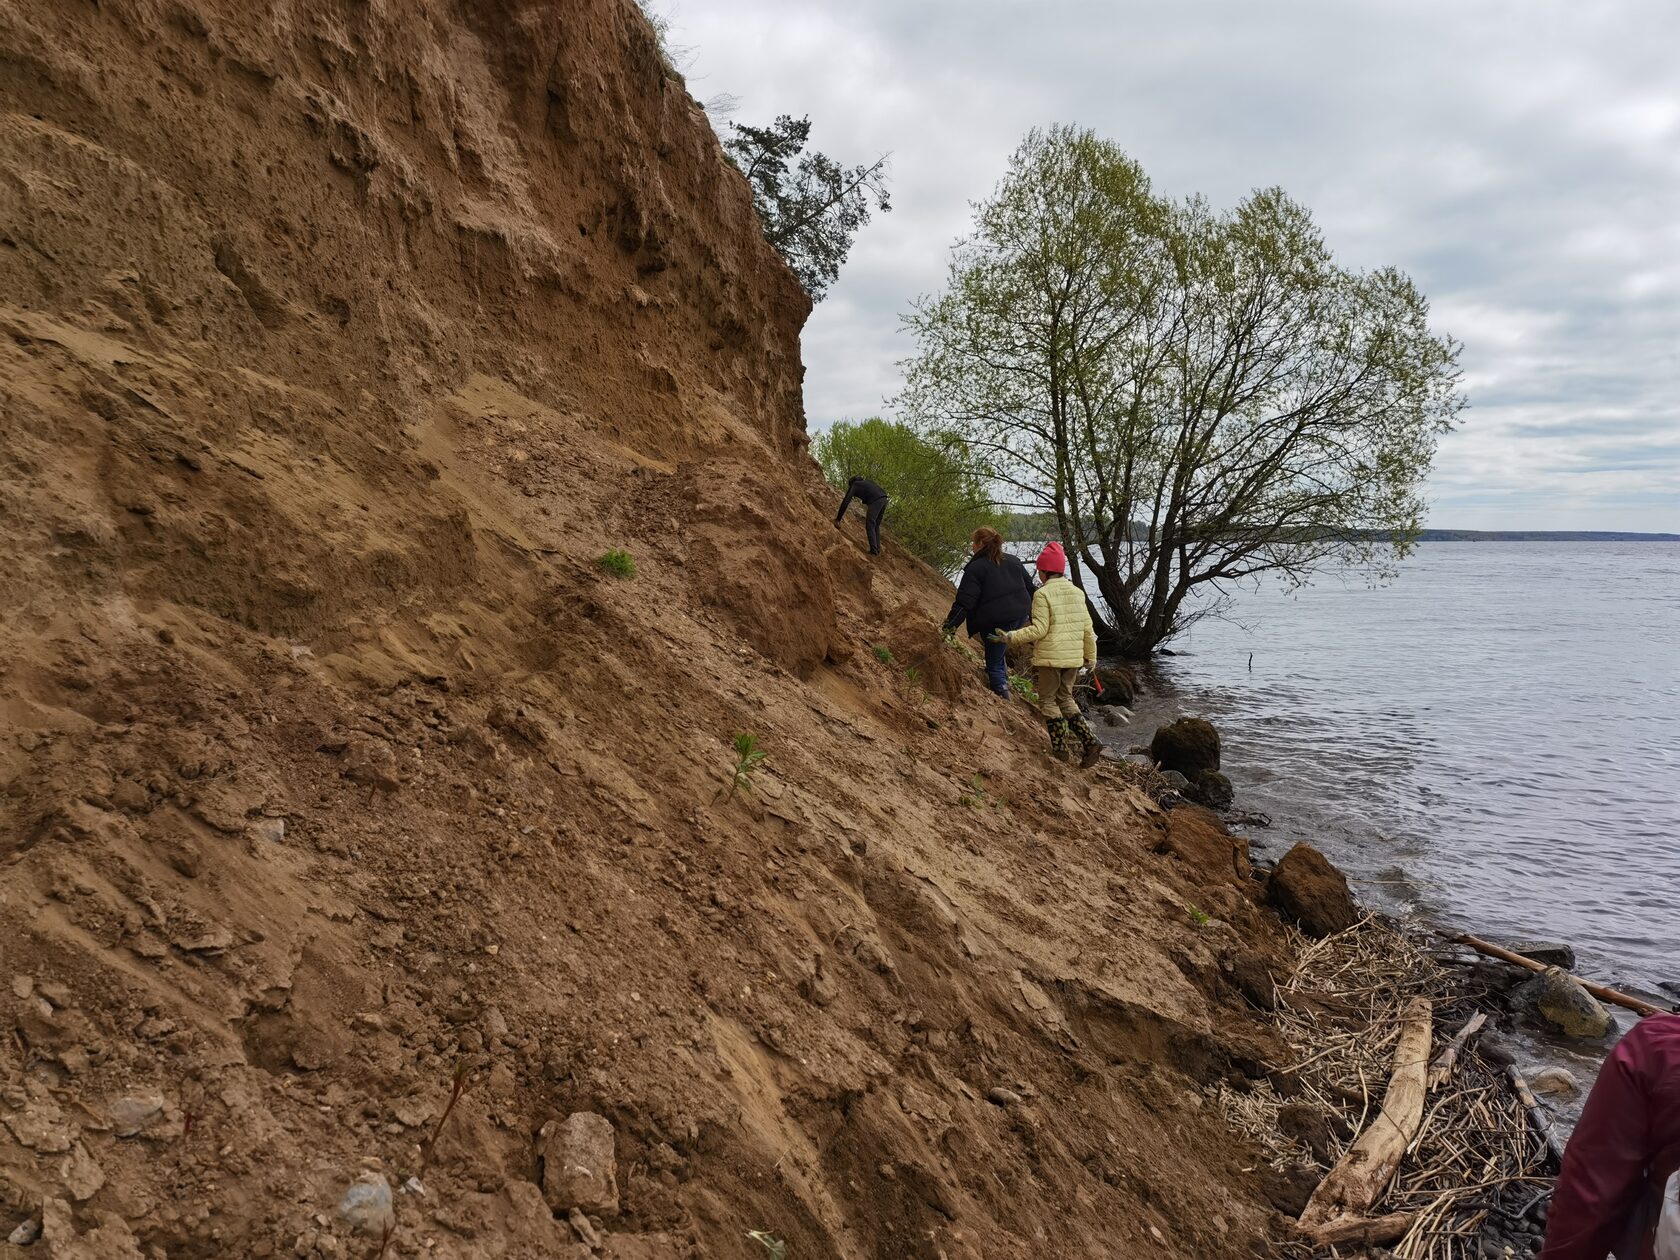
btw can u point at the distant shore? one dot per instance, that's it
(1540, 535)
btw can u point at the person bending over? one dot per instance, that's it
(874, 500)
(995, 593)
(1064, 643)
(1618, 1191)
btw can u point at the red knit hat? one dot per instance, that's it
(1052, 559)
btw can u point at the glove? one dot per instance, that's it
(998, 636)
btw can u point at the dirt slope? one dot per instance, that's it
(340, 339)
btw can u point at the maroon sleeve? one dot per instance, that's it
(1604, 1164)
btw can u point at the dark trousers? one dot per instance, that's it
(872, 523)
(997, 668)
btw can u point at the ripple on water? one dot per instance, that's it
(1494, 738)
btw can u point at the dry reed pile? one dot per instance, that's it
(1478, 1165)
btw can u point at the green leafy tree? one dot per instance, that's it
(811, 207)
(939, 494)
(1196, 397)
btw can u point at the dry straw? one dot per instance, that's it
(1477, 1158)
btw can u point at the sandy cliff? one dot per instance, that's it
(340, 339)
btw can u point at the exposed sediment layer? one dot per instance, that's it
(341, 339)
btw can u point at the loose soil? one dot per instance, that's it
(341, 340)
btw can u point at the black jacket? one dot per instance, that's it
(992, 596)
(862, 489)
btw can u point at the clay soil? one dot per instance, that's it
(340, 340)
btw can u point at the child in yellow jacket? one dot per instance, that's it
(1064, 643)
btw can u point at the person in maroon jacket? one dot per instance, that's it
(1622, 1153)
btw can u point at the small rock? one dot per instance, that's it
(1308, 888)
(136, 1113)
(413, 1186)
(588, 1233)
(579, 1164)
(1003, 1097)
(23, 986)
(1556, 1081)
(413, 1112)
(26, 1233)
(272, 830)
(56, 993)
(41, 1127)
(1176, 781)
(80, 1175)
(366, 1205)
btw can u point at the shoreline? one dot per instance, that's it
(1468, 984)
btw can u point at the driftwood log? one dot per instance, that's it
(1597, 990)
(1363, 1231)
(1360, 1176)
(1442, 1068)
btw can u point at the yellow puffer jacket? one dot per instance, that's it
(1061, 627)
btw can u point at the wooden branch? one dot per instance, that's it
(1597, 990)
(1362, 1231)
(1536, 1114)
(1361, 1175)
(1448, 1058)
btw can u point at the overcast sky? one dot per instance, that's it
(1519, 158)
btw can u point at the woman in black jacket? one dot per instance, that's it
(995, 594)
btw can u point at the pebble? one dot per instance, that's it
(366, 1204)
(1003, 1097)
(26, 1233)
(1555, 1080)
(135, 1113)
(272, 830)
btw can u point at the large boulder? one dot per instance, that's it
(1189, 746)
(1119, 684)
(1557, 997)
(1309, 889)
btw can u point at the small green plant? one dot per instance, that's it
(977, 796)
(882, 654)
(774, 1247)
(458, 1086)
(621, 564)
(747, 757)
(1198, 916)
(913, 674)
(1024, 687)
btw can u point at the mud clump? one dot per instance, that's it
(1306, 887)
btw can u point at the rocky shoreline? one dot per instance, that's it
(1511, 1020)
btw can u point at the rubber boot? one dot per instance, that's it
(1058, 728)
(1087, 738)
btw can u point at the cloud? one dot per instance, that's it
(1518, 160)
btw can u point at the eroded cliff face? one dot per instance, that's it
(341, 340)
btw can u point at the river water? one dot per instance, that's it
(1489, 743)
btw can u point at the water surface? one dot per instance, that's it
(1491, 742)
